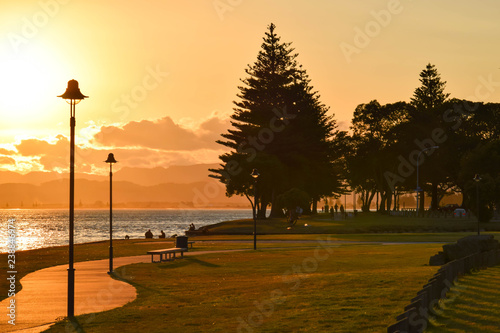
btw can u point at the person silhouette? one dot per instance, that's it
(149, 234)
(162, 234)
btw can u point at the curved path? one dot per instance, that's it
(43, 297)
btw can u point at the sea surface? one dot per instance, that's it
(39, 228)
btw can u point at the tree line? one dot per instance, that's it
(281, 128)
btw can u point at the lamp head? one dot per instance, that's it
(111, 158)
(477, 178)
(255, 174)
(72, 91)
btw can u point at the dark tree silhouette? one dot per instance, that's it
(430, 94)
(428, 99)
(374, 151)
(483, 161)
(280, 127)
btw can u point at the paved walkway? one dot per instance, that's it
(43, 297)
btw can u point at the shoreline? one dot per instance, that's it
(126, 208)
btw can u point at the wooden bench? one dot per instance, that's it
(167, 254)
(190, 243)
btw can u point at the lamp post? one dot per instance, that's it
(110, 160)
(73, 96)
(477, 179)
(418, 163)
(255, 174)
(345, 206)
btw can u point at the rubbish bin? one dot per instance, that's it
(181, 242)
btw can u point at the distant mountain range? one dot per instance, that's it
(176, 186)
(139, 176)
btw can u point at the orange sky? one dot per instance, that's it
(162, 75)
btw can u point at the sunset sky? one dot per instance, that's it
(161, 75)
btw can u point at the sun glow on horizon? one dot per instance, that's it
(30, 83)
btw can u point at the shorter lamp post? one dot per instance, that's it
(110, 160)
(255, 174)
(345, 206)
(477, 179)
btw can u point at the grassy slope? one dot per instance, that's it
(472, 305)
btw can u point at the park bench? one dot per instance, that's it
(190, 243)
(167, 254)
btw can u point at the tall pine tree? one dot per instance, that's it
(428, 100)
(430, 95)
(279, 127)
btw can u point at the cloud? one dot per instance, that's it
(4, 151)
(142, 144)
(163, 134)
(54, 156)
(7, 160)
(37, 147)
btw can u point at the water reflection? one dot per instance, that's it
(44, 228)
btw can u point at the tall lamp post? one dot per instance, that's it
(111, 160)
(477, 179)
(255, 174)
(73, 96)
(418, 163)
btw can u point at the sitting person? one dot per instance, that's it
(149, 234)
(192, 227)
(162, 234)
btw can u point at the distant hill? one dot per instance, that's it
(159, 175)
(140, 176)
(39, 177)
(186, 187)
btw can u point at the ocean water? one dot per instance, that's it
(38, 228)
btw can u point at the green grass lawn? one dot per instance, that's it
(472, 305)
(347, 288)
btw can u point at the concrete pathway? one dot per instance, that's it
(43, 297)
